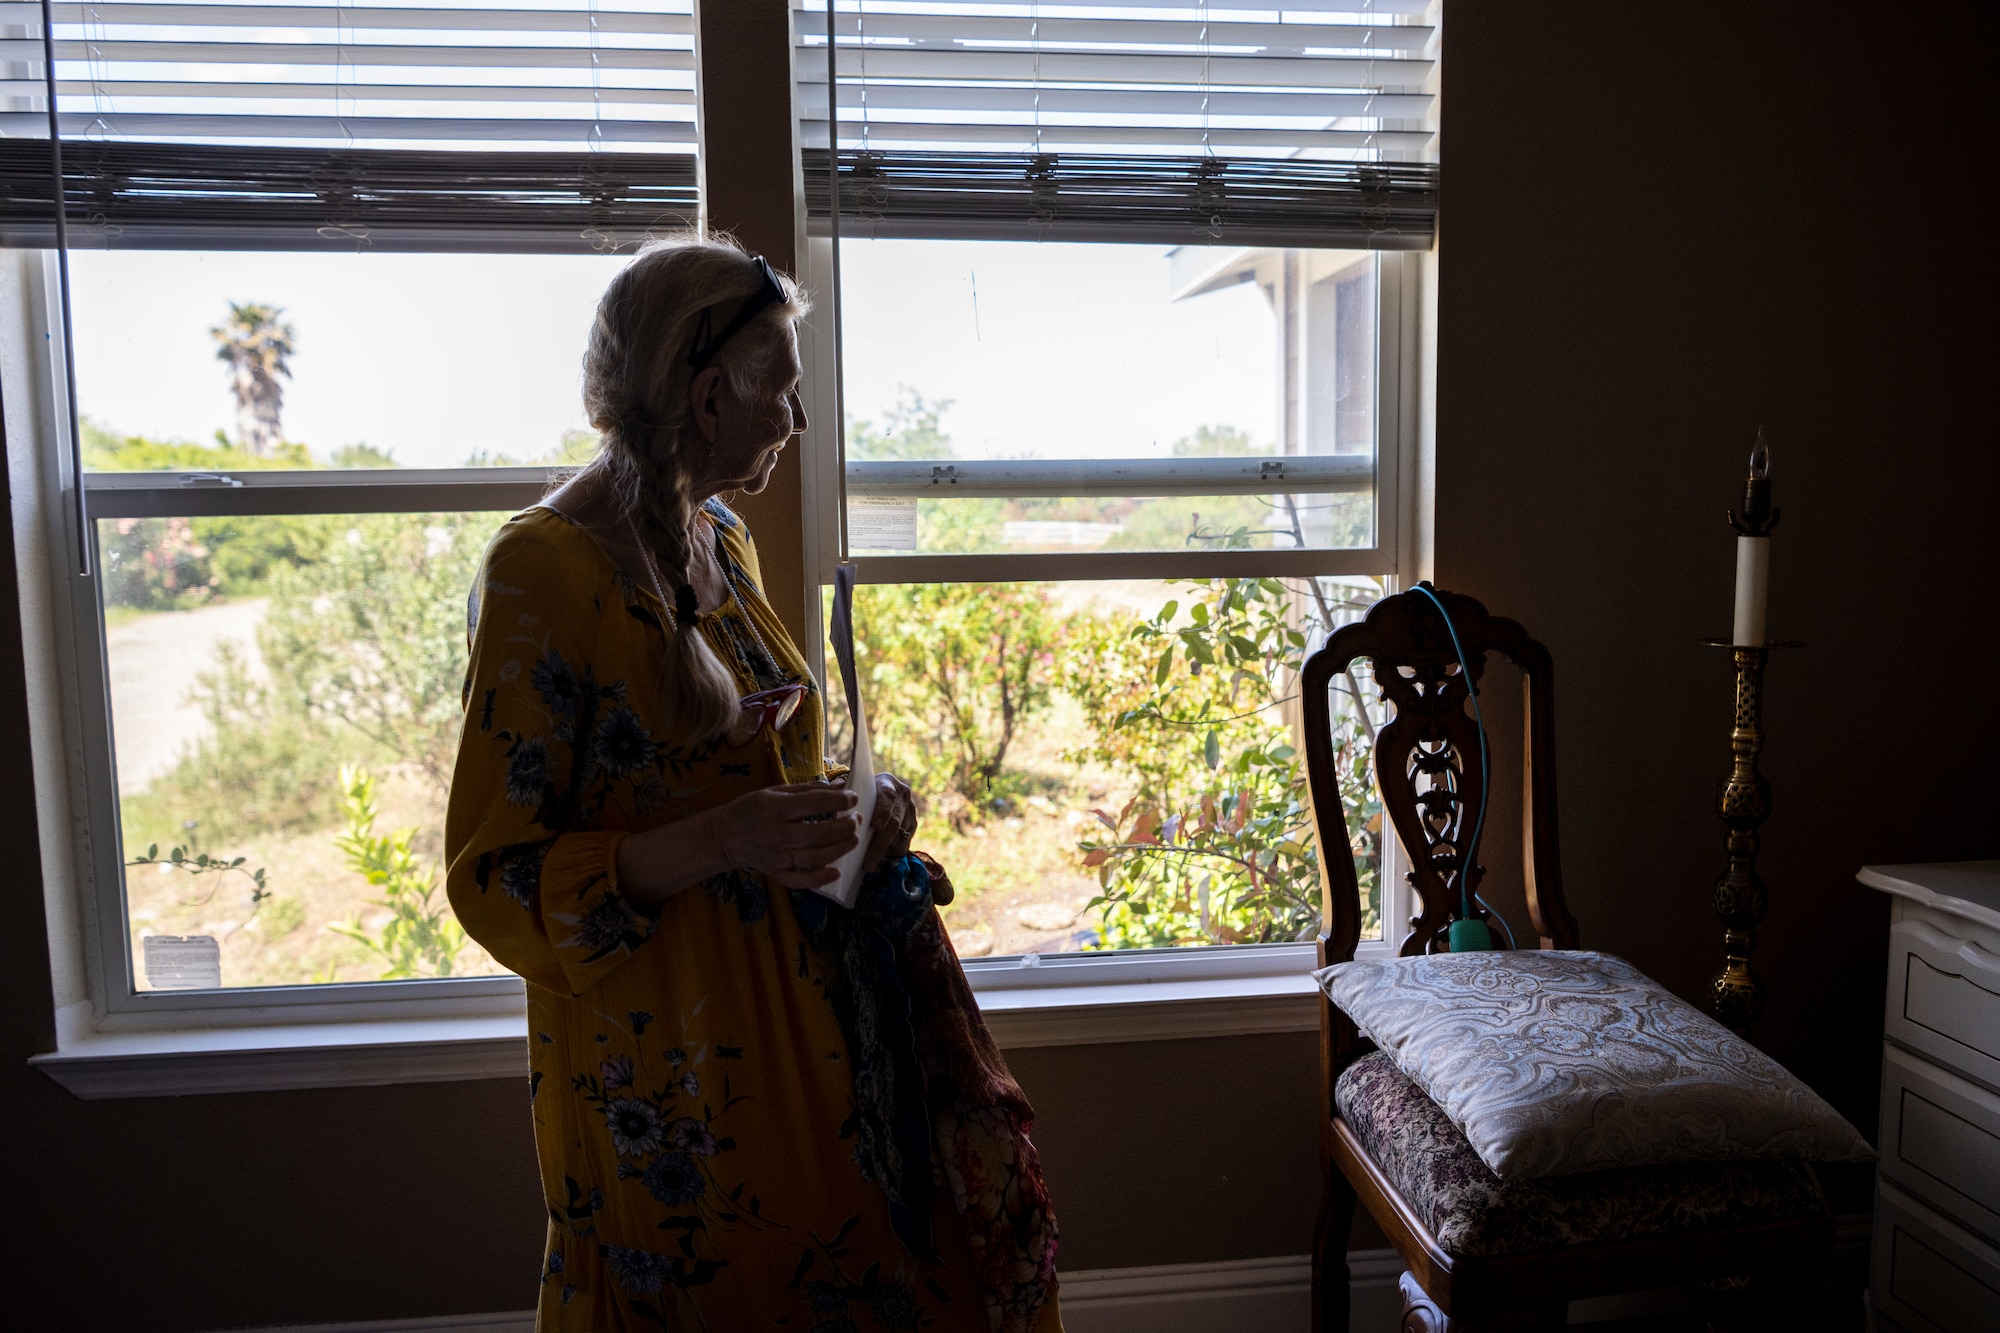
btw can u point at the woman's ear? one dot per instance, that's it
(705, 402)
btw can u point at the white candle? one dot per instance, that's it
(1753, 586)
(1753, 549)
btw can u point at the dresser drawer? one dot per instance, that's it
(1944, 999)
(1941, 1140)
(1931, 1276)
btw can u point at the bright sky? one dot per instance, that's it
(1067, 350)
(1053, 350)
(432, 357)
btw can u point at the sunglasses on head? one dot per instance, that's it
(769, 293)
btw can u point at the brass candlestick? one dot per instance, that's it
(1744, 798)
(1744, 802)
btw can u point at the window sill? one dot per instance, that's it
(367, 1053)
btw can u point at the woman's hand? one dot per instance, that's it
(792, 834)
(894, 823)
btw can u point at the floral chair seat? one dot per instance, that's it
(1471, 1211)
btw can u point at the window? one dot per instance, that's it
(331, 271)
(1128, 312)
(1122, 307)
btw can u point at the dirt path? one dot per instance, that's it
(154, 660)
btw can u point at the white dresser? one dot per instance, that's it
(1936, 1251)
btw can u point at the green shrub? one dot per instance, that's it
(913, 428)
(155, 564)
(363, 653)
(421, 937)
(955, 671)
(1217, 844)
(368, 640)
(106, 451)
(263, 765)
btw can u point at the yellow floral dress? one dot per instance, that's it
(691, 1088)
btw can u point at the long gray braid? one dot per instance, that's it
(635, 390)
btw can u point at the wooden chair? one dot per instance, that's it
(1427, 767)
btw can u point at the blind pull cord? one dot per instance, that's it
(833, 277)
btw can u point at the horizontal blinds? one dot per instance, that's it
(1340, 79)
(557, 74)
(1099, 197)
(196, 196)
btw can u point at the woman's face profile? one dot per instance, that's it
(747, 434)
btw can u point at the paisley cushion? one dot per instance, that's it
(1471, 1211)
(1557, 1062)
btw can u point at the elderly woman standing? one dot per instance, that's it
(728, 1139)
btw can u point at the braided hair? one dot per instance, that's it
(636, 376)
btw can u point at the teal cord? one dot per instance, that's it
(1485, 771)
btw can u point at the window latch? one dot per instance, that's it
(944, 473)
(208, 479)
(1271, 469)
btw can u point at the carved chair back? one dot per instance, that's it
(1427, 770)
(1427, 765)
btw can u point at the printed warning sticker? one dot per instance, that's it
(183, 962)
(882, 523)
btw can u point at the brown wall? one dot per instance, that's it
(1643, 256)
(1660, 228)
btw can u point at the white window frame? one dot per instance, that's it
(1253, 970)
(116, 1041)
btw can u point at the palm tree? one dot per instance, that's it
(257, 345)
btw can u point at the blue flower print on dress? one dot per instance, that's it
(640, 1272)
(528, 771)
(604, 927)
(636, 1126)
(622, 744)
(895, 1304)
(520, 868)
(562, 693)
(741, 889)
(674, 1178)
(826, 1297)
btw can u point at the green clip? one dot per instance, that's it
(1469, 935)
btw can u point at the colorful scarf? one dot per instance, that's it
(933, 1097)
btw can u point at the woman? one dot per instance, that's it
(737, 1087)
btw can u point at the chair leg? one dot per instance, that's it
(1330, 1276)
(1422, 1315)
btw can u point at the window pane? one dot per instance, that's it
(230, 361)
(1114, 765)
(285, 702)
(1155, 523)
(1016, 350)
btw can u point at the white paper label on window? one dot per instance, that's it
(183, 962)
(882, 523)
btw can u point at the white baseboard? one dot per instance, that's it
(506, 1321)
(1235, 1296)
